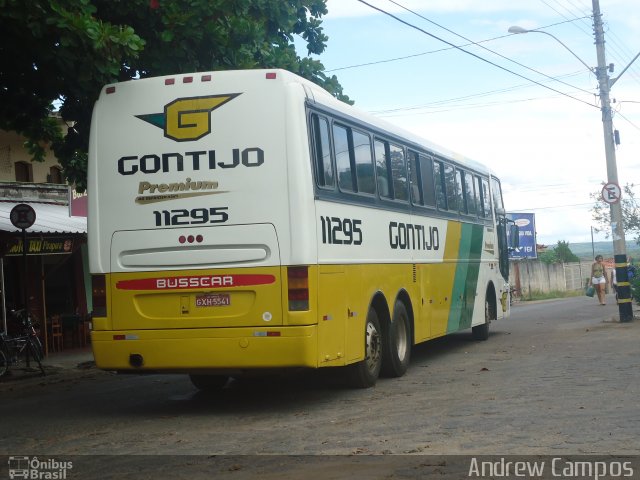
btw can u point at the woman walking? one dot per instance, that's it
(599, 279)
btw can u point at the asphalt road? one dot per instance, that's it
(557, 378)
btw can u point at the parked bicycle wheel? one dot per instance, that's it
(4, 361)
(36, 352)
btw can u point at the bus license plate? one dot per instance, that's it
(213, 300)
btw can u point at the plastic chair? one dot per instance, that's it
(56, 341)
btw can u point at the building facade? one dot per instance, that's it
(45, 266)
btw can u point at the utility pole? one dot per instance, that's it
(617, 225)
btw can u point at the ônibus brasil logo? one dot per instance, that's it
(187, 119)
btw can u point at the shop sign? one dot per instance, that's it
(41, 246)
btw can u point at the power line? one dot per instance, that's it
(394, 59)
(465, 97)
(485, 48)
(412, 56)
(472, 54)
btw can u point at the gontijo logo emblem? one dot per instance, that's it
(187, 119)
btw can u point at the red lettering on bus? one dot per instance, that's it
(198, 281)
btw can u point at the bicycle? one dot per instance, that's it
(27, 342)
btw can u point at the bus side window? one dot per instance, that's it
(363, 162)
(451, 188)
(322, 152)
(441, 196)
(415, 184)
(496, 191)
(343, 159)
(469, 193)
(426, 171)
(398, 173)
(382, 172)
(462, 201)
(486, 201)
(476, 182)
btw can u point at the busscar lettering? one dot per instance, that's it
(194, 282)
(177, 162)
(408, 236)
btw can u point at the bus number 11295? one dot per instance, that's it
(196, 216)
(341, 231)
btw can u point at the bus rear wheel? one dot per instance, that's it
(397, 344)
(208, 383)
(364, 374)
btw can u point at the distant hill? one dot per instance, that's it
(585, 250)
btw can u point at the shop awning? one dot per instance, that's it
(50, 218)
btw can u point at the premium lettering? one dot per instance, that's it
(187, 185)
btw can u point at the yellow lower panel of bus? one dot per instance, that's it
(194, 349)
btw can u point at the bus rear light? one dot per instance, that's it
(169, 81)
(271, 76)
(190, 239)
(205, 78)
(298, 285)
(110, 90)
(99, 294)
(187, 80)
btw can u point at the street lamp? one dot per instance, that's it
(517, 29)
(617, 226)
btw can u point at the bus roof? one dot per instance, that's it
(320, 97)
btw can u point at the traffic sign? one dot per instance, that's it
(22, 216)
(611, 193)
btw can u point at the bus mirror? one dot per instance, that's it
(514, 236)
(500, 212)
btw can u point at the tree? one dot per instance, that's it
(561, 253)
(601, 212)
(64, 51)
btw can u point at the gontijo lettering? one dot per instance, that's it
(408, 236)
(175, 162)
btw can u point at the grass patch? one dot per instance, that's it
(537, 295)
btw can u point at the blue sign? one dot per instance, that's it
(526, 223)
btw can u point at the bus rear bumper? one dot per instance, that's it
(199, 350)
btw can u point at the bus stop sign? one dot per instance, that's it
(22, 216)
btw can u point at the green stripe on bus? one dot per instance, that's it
(466, 278)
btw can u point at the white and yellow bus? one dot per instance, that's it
(247, 220)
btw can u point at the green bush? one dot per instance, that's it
(635, 288)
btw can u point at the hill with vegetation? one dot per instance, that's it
(585, 250)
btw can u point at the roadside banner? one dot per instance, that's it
(526, 223)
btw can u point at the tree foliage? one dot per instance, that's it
(64, 51)
(561, 253)
(601, 213)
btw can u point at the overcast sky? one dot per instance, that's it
(546, 144)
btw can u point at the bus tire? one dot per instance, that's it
(364, 374)
(396, 352)
(208, 383)
(481, 332)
